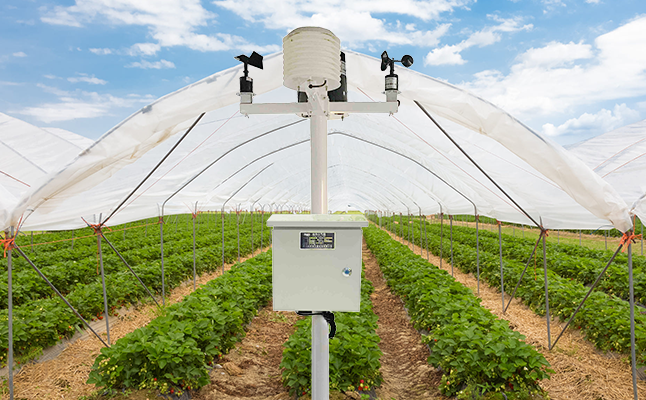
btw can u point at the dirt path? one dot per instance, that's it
(64, 377)
(581, 371)
(252, 369)
(406, 373)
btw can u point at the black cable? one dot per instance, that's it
(327, 315)
(318, 86)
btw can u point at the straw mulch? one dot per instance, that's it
(405, 371)
(65, 376)
(581, 371)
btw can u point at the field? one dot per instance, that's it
(424, 331)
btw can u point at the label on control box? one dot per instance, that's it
(317, 240)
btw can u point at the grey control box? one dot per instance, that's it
(317, 262)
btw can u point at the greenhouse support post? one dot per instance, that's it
(547, 297)
(32, 241)
(123, 260)
(412, 230)
(477, 253)
(451, 222)
(401, 226)
(606, 240)
(426, 238)
(262, 225)
(8, 235)
(194, 259)
(594, 285)
(633, 357)
(222, 219)
(252, 230)
(238, 230)
(580, 244)
(441, 236)
(502, 276)
(161, 241)
(105, 295)
(73, 236)
(51, 285)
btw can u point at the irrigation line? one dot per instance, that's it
(156, 166)
(59, 294)
(594, 285)
(523, 274)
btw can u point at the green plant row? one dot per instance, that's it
(354, 351)
(67, 268)
(476, 350)
(579, 268)
(172, 353)
(569, 261)
(43, 322)
(605, 319)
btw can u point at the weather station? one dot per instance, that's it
(317, 257)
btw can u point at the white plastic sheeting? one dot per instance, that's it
(619, 157)
(398, 163)
(28, 154)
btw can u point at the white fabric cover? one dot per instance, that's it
(28, 154)
(619, 157)
(556, 188)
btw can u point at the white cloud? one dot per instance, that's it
(144, 49)
(593, 1)
(93, 80)
(169, 22)
(551, 5)
(19, 54)
(50, 76)
(81, 104)
(101, 52)
(354, 22)
(558, 77)
(595, 124)
(450, 54)
(143, 64)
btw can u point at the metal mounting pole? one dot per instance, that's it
(580, 238)
(9, 234)
(502, 276)
(320, 341)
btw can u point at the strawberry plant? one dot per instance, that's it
(41, 320)
(173, 351)
(470, 344)
(605, 319)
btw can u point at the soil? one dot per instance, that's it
(65, 376)
(252, 369)
(405, 371)
(581, 371)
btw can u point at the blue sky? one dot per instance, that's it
(571, 69)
